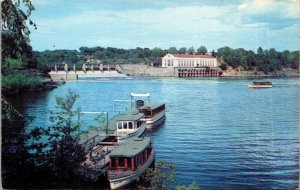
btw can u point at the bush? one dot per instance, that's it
(16, 82)
(13, 64)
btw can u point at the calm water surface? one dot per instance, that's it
(217, 131)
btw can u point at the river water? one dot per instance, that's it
(217, 131)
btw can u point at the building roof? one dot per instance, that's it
(192, 56)
(131, 147)
(130, 115)
(151, 105)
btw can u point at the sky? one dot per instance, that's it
(248, 24)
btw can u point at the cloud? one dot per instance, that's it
(283, 8)
(214, 26)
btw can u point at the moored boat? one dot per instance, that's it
(265, 84)
(129, 161)
(129, 124)
(154, 111)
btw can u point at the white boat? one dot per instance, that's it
(129, 161)
(129, 124)
(266, 84)
(153, 111)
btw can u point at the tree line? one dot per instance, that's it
(268, 60)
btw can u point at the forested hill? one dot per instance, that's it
(261, 60)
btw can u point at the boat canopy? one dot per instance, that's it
(151, 106)
(140, 95)
(130, 115)
(131, 147)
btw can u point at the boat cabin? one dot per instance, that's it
(152, 109)
(262, 83)
(129, 121)
(130, 156)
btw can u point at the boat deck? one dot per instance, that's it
(96, 162)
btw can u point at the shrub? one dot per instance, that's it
(16, 82)
(13, 63)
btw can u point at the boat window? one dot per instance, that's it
(125, 125)
(119, 125)
(148, 113)
(130, 125)
(113, 163)
(121, 162)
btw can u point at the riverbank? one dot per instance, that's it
(288, 72)
(146, 70)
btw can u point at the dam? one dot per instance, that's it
(63, 72)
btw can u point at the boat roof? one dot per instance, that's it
(129, 115)
(131, 147)
(151, 105)
(262, 82)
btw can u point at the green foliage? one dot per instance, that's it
(15, 160)
(15, 32)
(16, 82)
(63, 120)
(160, 177)
(202, 50)
(172, 50)
(13, 64)
(191, 50)
(265, 60)
(182, 50)
(192, 186)
(64, 153)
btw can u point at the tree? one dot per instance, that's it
(182, 50)
(65, 154)
(191, 50)
(157, 52)
(162, 176)
(15, 32)
(260, 52)
(201, 50)
(172, 50)
(159, 177)
(213, 53)
(14, 155)
(193, 186)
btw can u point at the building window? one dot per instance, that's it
(168, 62)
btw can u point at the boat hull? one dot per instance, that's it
(136, 133)
(152, 120)
(259, 86)
(125, 181)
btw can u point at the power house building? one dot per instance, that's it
(186, 65)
